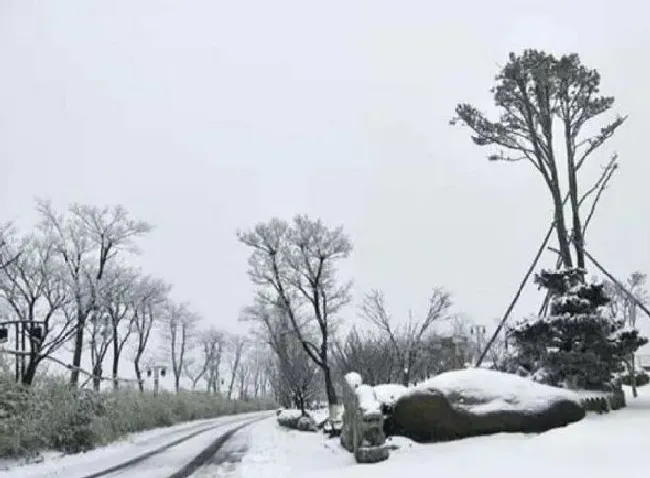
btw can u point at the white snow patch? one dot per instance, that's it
(276, 452)
(353, 379)
(389, 393)
(368, 402)
(320, 414)
(289, 414)
(496, 390)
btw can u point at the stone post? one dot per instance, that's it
(363, 422)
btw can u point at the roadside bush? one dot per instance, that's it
(51, 415)
(642, 378)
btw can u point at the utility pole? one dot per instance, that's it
(158, 371)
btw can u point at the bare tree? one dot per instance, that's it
(293, 372)
(213, 348)
(118, 299)
(294, 265)
(534, 92)
(370, 354)
(87, 239)
(33, 290)
(181, 322)
(236, 347)
(149, 304)
(244, 372)
(101, 334)
(406, 340)
(259, 358)
(7, 254)
(207, 359)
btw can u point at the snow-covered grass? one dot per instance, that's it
(489, 390)
(598, 446)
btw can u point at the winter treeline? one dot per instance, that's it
(68, 295)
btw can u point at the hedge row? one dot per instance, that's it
(53, 416)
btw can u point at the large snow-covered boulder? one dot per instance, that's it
(474, 402)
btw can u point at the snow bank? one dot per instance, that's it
(389, 393)
(483, 391)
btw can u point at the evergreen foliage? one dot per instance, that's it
(577, 343)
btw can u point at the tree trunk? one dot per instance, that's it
(97, 373)
(332, 399)
(116, 366)
(560, 228)
(138, 373)
(116, 358)
(632, 369)
(30, 371)
(78, 350)
(577, 237)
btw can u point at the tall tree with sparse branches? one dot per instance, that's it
(547, 110)
(295, 264)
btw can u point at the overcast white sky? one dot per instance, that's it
(205, 116)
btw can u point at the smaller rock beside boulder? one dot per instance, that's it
(296, 420)
(306, 424)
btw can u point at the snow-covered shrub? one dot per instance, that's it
(577, 343)
(642, 378)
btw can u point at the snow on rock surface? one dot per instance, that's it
(368, 402)
(353, 379)
(289, 414)
(486, 391)
(389, 393)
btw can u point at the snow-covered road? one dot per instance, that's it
(155, 454)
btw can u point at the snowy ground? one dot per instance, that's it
(598, 446)
(162, 465)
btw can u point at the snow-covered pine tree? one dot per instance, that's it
(577, 344)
